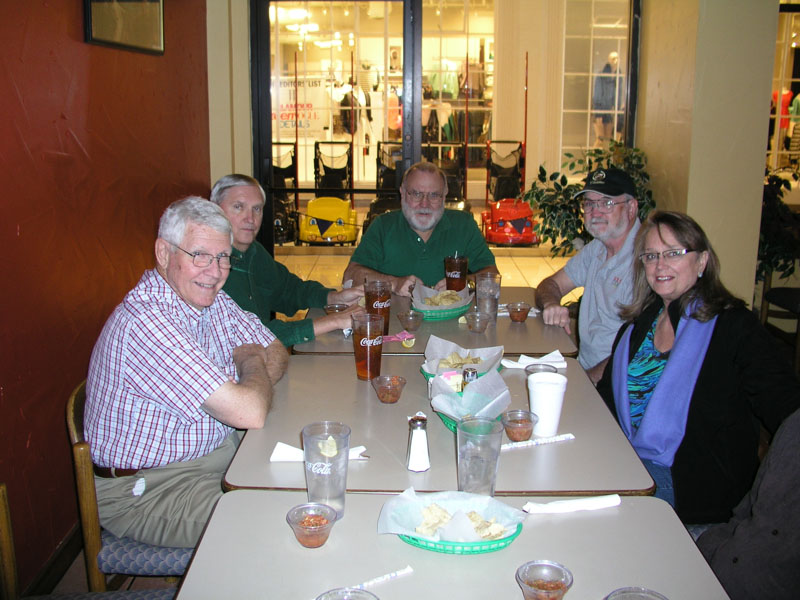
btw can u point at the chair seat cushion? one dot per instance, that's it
(129, 557)
(788, 298)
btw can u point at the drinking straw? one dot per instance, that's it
(383, 578)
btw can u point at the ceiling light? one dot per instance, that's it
(287, 14)
(328, 43)
(303, 28)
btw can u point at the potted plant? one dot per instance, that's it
(560, 218)
(779, 234)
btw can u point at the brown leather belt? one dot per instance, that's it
(111, 472)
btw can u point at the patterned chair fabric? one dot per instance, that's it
(129, 557)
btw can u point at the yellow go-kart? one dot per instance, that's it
(328, 221)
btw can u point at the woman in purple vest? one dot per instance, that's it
(693, 374)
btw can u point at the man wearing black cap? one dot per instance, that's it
(602, 268)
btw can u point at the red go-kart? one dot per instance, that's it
(509, 221)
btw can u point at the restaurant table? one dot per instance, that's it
(249, 551)
(599, 460)
(532, 337)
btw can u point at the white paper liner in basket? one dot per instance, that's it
(439, 348)
(420, 292)
(486, 397)
(402, 514)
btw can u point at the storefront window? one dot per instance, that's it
(338, 66)
(784, 134)
(595, 61)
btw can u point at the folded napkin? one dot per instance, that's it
(555, 358)
(502, 311)
(574, 505)
(286, 453)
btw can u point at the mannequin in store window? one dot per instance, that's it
(782, 105)
(607, 101)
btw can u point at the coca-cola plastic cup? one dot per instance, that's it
(367, 344)
(455, 272)
(378, 298)
(326, 449)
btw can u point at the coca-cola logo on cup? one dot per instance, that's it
(319, 468)
(372, 342)
(453, 274)
(378, 304)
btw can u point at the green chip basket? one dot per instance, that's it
(462, 547)
(451, 424)
(443, 314)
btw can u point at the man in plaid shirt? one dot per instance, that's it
(176, 370)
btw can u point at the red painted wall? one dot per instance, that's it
(94, 143)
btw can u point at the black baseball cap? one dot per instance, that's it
(609, 182)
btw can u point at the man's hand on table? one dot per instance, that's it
(334, 321)
(402, 286)
(555, 314)
(346, 296)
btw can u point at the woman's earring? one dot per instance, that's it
(700, 275)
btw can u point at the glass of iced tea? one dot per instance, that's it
(455, 272)
(378, 300)
(367, 344)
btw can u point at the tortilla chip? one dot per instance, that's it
(488, 530)
(445, 298)
(456, 361)
(433, 517)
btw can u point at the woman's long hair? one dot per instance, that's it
(712, 297)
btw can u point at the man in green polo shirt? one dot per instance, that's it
(409, 247)
(259, 284)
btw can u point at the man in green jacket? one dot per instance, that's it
(261, 285)
(409, 246)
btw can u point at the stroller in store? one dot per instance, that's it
(508, 219)
(387, 172)
(284, 208)
(330, 217)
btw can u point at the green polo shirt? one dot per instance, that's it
(260, 285)
(390, 246)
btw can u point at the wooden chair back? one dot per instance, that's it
(8, 560)
(87, 494)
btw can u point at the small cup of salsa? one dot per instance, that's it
(519, 424)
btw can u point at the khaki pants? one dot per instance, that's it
(175, 500)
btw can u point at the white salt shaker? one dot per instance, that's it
(417, 458)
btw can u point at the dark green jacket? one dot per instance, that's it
(260, 285)
(390, 246)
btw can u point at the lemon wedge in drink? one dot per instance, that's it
(328, 447)
(409, 343)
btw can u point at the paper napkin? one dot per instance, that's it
(573, 505)
(286, 453)
(555, 358)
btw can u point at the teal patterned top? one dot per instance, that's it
(644, 371)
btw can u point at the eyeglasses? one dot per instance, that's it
(433, 197)
(672, 255)
(601, 206)
(203, 259)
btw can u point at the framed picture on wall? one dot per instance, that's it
(130, 24)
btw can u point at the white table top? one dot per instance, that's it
(599, 460)
(248, 551)
(532, 337)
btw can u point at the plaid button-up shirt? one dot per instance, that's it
(154, 364)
